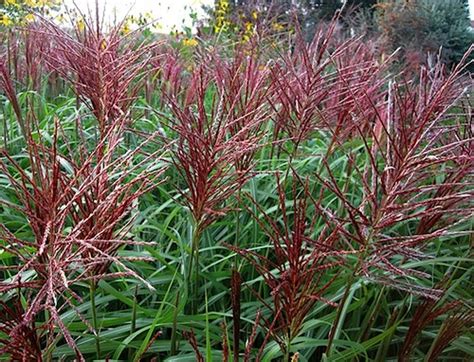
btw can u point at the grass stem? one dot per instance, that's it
(92, 290)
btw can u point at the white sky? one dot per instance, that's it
(169, 13)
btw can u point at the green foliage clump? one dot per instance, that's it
(427, 26)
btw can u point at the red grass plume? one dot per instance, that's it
(319, 85)
(419, 176)
(458, 319)
(217, 132)
(297, 269)
(105, 69)
(78, 210)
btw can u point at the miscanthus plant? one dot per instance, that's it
(171, 201)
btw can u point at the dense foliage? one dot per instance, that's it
(420, 29)
(435, 26)
(212, 199)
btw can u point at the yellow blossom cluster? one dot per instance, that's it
(20, 12)
(144, 20)
(221, 17)
(190, 42)
(32, 3)
(248, 31)
(5, 20)
(249, 25)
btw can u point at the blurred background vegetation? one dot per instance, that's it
(419, 29)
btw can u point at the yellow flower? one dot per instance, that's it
(81, 25)
(248, 32)
(190, 42)
(42, 3)
(30, 18)
(223, 4)
(254, 15)
(30, 3)
(60, 18)
(5, 20)
(11, 2)
(278, 27)
(221, 24)
(126, 28)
